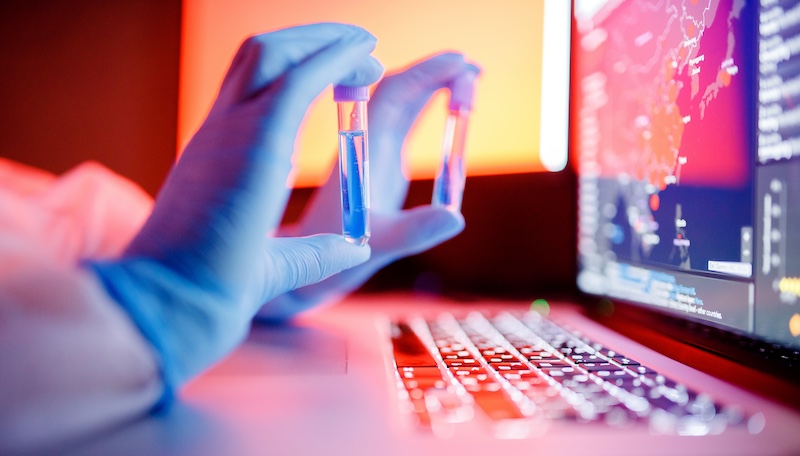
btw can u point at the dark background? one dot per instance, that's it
(91, 80)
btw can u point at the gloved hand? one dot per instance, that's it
(393, 109)
(202, 265)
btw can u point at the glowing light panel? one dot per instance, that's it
(505, 38)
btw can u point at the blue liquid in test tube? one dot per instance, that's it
(353, 161)
(354, 175)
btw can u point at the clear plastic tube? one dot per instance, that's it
(353, 161)
(448, 187)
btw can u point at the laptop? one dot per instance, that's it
(683, 333)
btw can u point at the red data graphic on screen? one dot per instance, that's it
(664, 87)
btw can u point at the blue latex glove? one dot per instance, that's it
(393, 109)
(195, 275)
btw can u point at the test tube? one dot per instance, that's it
(353, 161)
(448, 188)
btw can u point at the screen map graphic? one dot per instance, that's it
(664, 134)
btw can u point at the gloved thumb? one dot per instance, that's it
(412, 231)
(296, 262)
(394, 236)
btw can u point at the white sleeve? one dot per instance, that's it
(71, 360)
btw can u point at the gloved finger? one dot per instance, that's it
(346, 60)
(297, 89)
(395, 235)
(393, 108)
(268, 122)
(290, 263)
(401, 96)
(263, 59)
(251, 170)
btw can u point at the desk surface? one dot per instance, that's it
(325, 385)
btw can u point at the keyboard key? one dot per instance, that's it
(642, 370)
(509, 366)
(547, 364)
(547, 358)
(563, 371)
(623, 361)
(587, 358)
(497, 405)
(594, 367)
(408, 349)
(460, 362)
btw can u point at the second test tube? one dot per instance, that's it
(353, 161)
(448, 187)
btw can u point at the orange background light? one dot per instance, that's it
(504, 38)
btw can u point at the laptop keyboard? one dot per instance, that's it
(522, 371)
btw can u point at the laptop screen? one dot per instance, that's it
(686, 140)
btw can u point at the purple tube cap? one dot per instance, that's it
(462, 90)
(350, 93)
